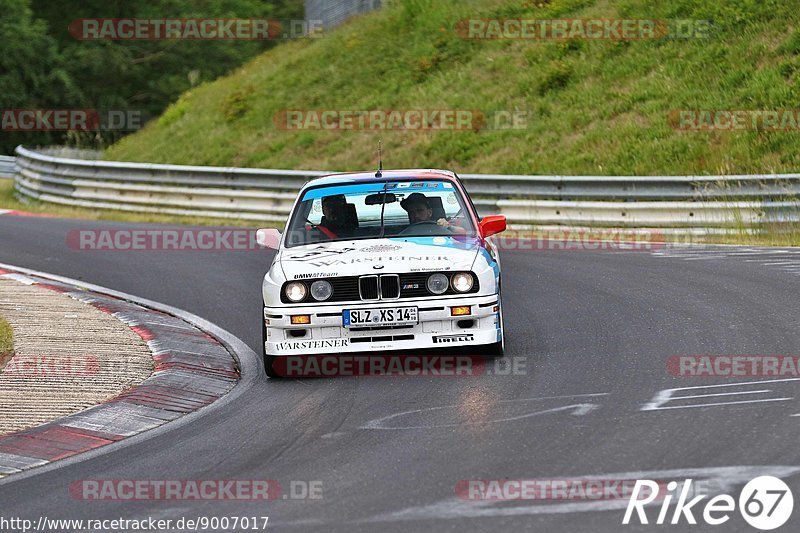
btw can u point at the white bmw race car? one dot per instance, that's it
(382, 261)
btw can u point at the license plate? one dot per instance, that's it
(390, 316)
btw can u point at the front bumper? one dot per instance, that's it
(436, 328)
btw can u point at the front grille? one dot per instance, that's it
(413, 285)
(390, 286)
(344, 289)
(384, 287)
(368, 287)
(393, 286)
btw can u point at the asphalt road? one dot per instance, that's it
(594, 330)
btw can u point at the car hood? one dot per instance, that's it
(376, 256)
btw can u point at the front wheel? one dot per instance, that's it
(269, 360)
(494, 350)
(498, 348)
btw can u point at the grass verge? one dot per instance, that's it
(594, 107)
(6, 343)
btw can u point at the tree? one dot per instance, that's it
(45, 66)
(32, 74)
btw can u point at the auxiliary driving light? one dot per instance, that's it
(461, 310)
(301, 319)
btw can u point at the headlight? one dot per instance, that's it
(321, 290)
(462, 282)
(295, 291)
(437, 283)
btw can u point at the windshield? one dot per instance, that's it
(395, 208)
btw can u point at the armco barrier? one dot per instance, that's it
(6, 166)
(267, 195)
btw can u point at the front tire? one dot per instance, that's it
(269, 360)
(495, 350)
(498, 348)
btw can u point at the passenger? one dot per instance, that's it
(334, 216)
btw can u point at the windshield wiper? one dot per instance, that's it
(383, 207)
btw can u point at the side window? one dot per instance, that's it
(469, 199)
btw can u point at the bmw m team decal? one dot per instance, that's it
(315, 275)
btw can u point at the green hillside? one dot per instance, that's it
(597, 107)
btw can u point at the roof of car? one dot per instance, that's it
(366, 177)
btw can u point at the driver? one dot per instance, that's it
(418, 207)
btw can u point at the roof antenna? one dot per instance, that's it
(379, 173)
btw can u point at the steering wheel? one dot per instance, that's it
(425, 223)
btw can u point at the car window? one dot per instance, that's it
(353, 211)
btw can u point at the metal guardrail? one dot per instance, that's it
(268, 195)
(6, 166)
(334, 12)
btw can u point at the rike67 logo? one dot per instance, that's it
(765, 503)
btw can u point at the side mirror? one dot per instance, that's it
(268, 238)
(492, 224)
